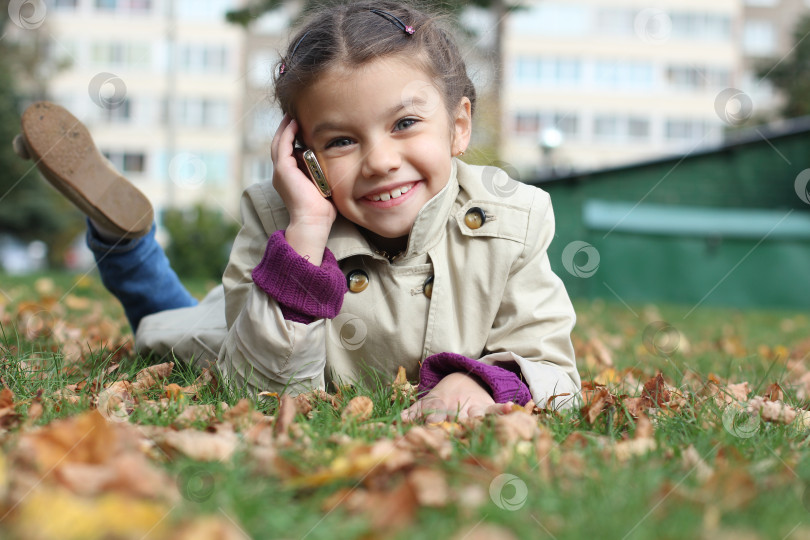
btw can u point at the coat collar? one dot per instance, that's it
(345, 239)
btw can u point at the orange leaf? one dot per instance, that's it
(6, 398)
(359, 409)
(655, 390)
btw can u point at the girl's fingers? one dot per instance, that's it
(476, 411)
(436, 416)
(285, 140)
(412, 413)
(499, 408)
(277, 136)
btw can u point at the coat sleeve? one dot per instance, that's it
(262, 351)
(534, 321)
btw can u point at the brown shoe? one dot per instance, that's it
(66, 156)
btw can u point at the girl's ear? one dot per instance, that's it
(462, 126)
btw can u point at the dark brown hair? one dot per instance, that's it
(351, 35)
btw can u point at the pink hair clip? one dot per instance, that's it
(408, 29)
(283, 68)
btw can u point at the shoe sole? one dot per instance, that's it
(65, 154)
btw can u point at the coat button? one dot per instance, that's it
(428, 287)
(357, 280)
(475, 217)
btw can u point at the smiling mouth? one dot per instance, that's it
(392, 194)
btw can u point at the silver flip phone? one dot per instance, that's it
(308, 163)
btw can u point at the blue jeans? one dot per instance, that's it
(138, 274)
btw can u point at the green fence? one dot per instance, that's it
(729, 226)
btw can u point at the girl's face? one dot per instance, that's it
(385, 141)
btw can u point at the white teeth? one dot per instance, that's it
(393, 194)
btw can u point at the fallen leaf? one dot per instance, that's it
(393, 510)
(173, 391)
(6, 398)
(195, 413)
(772, 411)
(485, 531)
(152, 376)
(429, 486)
(774, 392)
(47, 514)
(655, 391)
(514, 427)
(209, 528)
(427, 440)
(595, 401)
(692, 460)
(285, 417)
(199, 445)
(358, 409)
(403, 390)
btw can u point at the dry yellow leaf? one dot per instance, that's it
(47, 514)
(514, 427)
(359, 409)
(174, 392)
(152, 376)
(430, 487)
(199, 445)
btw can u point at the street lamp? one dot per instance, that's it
(549, 140)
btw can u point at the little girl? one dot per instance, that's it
(411, 261)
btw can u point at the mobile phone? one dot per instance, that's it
(308, 163)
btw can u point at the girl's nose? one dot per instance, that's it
(382, 157)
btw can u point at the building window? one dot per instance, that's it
(759, 38)
(124, 6)
(126, 55)
(527, 123)
(686, 130)
(65, 5)
(196, 112)
(616, 21)
(638, 128)
(261, 170)
(548, 71)
(701, 26)
(127, 162)
(698, 78)
(606, 128)
(624, 74)
(203, 58)
(552, 19)
(117, 113)
(531, 124)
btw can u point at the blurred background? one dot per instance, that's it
(671, 135)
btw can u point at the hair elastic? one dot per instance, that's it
(283, 69)
(408, 29)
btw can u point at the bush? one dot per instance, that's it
(200, 241)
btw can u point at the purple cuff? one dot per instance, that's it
(504, 384)
(304, 292)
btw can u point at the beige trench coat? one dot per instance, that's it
(494, 298)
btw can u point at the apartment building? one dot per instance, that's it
(767, 35)
(159, 83)
(594, 83)
(264, 41)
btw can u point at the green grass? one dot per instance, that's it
(579, 491)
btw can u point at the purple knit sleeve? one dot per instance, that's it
(504, 385)
(304, 292)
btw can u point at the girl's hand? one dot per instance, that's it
(311, 215)
(457, 396)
